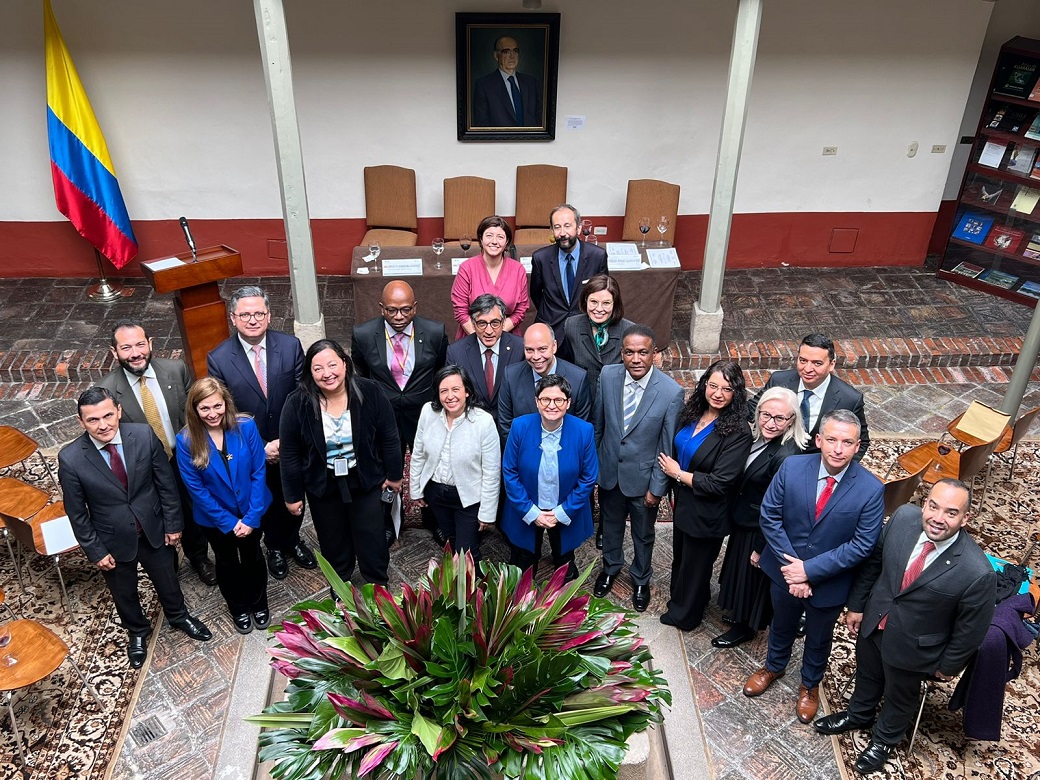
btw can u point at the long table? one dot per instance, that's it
(649, 294)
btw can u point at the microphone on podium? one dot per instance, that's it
(189, 239)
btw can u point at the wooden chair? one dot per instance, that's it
(1012, 436)
(29, 534)
(390, 206)
(899, 491)
(39, 652)
(948, 463)
(652, 199)
(16, 447)
(467, 200)
(539, 188)
(20, 500)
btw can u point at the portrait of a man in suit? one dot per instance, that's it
(507, 97)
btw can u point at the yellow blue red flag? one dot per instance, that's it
(85, 186)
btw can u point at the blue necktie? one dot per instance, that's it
(570, 277)
(806, 394)
(518, 107)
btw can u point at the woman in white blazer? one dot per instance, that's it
(456, 465)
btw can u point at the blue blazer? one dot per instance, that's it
(834, 546)
(220, 500)
(578, 471)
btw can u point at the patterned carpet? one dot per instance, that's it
(1003, 527)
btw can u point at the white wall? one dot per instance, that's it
(180, 95)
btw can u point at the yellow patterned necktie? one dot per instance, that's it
(151, 414)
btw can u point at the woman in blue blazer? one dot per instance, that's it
(549, 468)
(221, 459)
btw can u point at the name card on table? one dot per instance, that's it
(58, 535)
(402, 266)
(456, 264)
(625, 263)
(526, 263)
(663, 258)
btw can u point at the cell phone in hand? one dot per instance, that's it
(387, 496)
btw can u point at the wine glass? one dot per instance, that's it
(465, 242)
(586, 228)
(644, 228)
(438, 248)
(374, 248)
(662, 228)
(6, 659)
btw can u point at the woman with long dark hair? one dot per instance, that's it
(592, 339)
(711, 448)
(340, 448)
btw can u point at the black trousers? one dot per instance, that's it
(460, 524)
(526, 559)
(193, 541)
(281, 528)
(615, 506)
(693, 559)
(349, 524)
(241, 570)
(122, 583)
(901, 689)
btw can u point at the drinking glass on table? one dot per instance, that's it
(374, 248)
(644, 228)
(6, 659)
(438, 249)
(662, 227)
(465, 242)
(586, 228)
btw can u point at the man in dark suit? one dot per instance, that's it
(506, 97)
(821, 517)
(487, 313)
(261, 367)
(560, 270)
(402, 352)
(920, 607)
(151, 391)
(517, 393)
(634, 416)
(121, 498)
(818, 390)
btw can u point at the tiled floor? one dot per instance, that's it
(53, 342)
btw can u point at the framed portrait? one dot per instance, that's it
(506, 69)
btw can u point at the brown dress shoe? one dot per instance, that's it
(808, 703)
(758, 682)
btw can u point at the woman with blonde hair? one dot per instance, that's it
(221, 459)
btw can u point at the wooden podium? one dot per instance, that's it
(201, 312)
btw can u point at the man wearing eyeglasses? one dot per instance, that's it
(506, 97)
(261, 367)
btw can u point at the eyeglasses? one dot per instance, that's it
(393, 311)
(508, 51)
(547, 402)
(246, 316)
(778, 419)
(485, 324)
(715, 388)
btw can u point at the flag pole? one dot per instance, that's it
(103, 292)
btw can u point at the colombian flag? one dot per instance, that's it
(85, 186)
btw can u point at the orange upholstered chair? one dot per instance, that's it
(652, 199)
(467, 200)
(538, 189)
(390, 210)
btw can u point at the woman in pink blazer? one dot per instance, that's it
(491, 272)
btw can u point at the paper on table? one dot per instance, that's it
(526, 263)
(992, 154)
(625, 263)
(403, 266)
(57, 535)
(622, 249)
(166, 262)
(663, 258)
(456, 264)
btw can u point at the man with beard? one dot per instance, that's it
(152, 391)
(560, 270)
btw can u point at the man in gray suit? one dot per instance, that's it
(121, 498)
(152, 391)
(634, 415)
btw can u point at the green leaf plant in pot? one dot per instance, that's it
(468, 675)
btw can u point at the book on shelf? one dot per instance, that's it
(1032, 250)
(1021, 160)
(1033, 131)
(1017, 120)
(1005, 239)
(967, 269)
(1035, 94)
(998, 279)
(997, 118)
(987, 193)
(1032, 289)
(1035, 173)
(992, 154)
(973, 227)
(1017, 76)
(1025, 200)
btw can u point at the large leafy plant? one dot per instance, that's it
(466, 675)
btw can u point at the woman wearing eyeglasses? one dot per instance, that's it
(777, 432)
(711, 449)
(593, 339)
(491, 272)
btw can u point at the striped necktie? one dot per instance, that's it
(151, 414)
(260, 367)
(632, 394)
(913, 571)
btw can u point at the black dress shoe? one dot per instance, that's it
(641, 597)
(800, 631)
(737, 635)
(874, 758)
(277, 564)
(303, 556)
(439, 537)
(243, 624)
(599, 537)
(604, 582)
(391, 537)
(839, 723)
(194, 628)
(206, 570)
(137, 651)
(262, 618)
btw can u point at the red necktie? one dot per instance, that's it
(117, 465)
(825, 495)
(489, 371)
(913, 571)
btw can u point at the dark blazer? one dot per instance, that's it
(376, 443)
(578, 471)
(840, 395)
(517, 393)
(493, 105)
(221, 496)
(228, 363)
(174, 381)
(547, 284)
(940, 620)
(702, 511)
(368, 348)
(104, 514)
(468, 352)
(579, 348)
(835, 545)
(747, 501)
